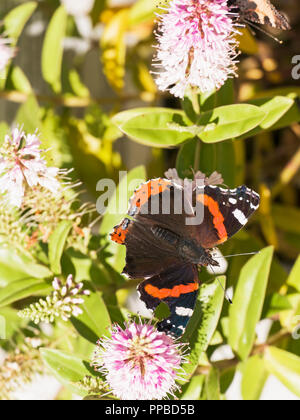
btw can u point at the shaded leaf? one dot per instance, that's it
(95, 320)
(116, 210)
(57, 243)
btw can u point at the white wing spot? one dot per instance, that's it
(232, 200)
(181, 311)
(239, 215)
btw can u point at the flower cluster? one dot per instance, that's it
(196, 46)
(62, 303)
(139, 362)
(6, 53)
(21, 165)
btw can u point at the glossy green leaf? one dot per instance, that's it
(67, 368)
(57, 242)
(230, 121)
(95, 320)
(285, 366)
(204, 322)
(156, 127)
(52, 52)
(254, 376)
(16, 19)
(116, 210)
(22, 289)
(294, 277)
(248, 301)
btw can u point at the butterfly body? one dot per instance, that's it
(166, 242)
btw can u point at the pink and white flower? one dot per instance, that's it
(196, 46)
(6, 53)
(139, 362)
(22, 166)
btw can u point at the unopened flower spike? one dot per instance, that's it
(63, 303)
(196, 46)
(139, 362)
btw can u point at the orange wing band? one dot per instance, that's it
(175, 292)
(218, 219)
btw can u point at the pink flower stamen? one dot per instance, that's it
(196, 46)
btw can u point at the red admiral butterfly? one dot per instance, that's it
(165, 249)
(260, 11)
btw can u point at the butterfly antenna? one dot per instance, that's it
(225, 292)
(239, 255)
(263, 31)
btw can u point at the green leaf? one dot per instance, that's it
(21, 289)
(193, 390)
(230, 121)
(275, 108)
(209, 158)
(156, 127)
(294, 277)
(248, 302)
(212, 385)
(20, 81)
(204, 322)
(29, 115)
(15, 266)
(116, 210)
(16, 19)
(95, 320)
(254, 376)
(67, 368)
(52, 52)
(274, 304)
(285, 366)
(57, 243)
